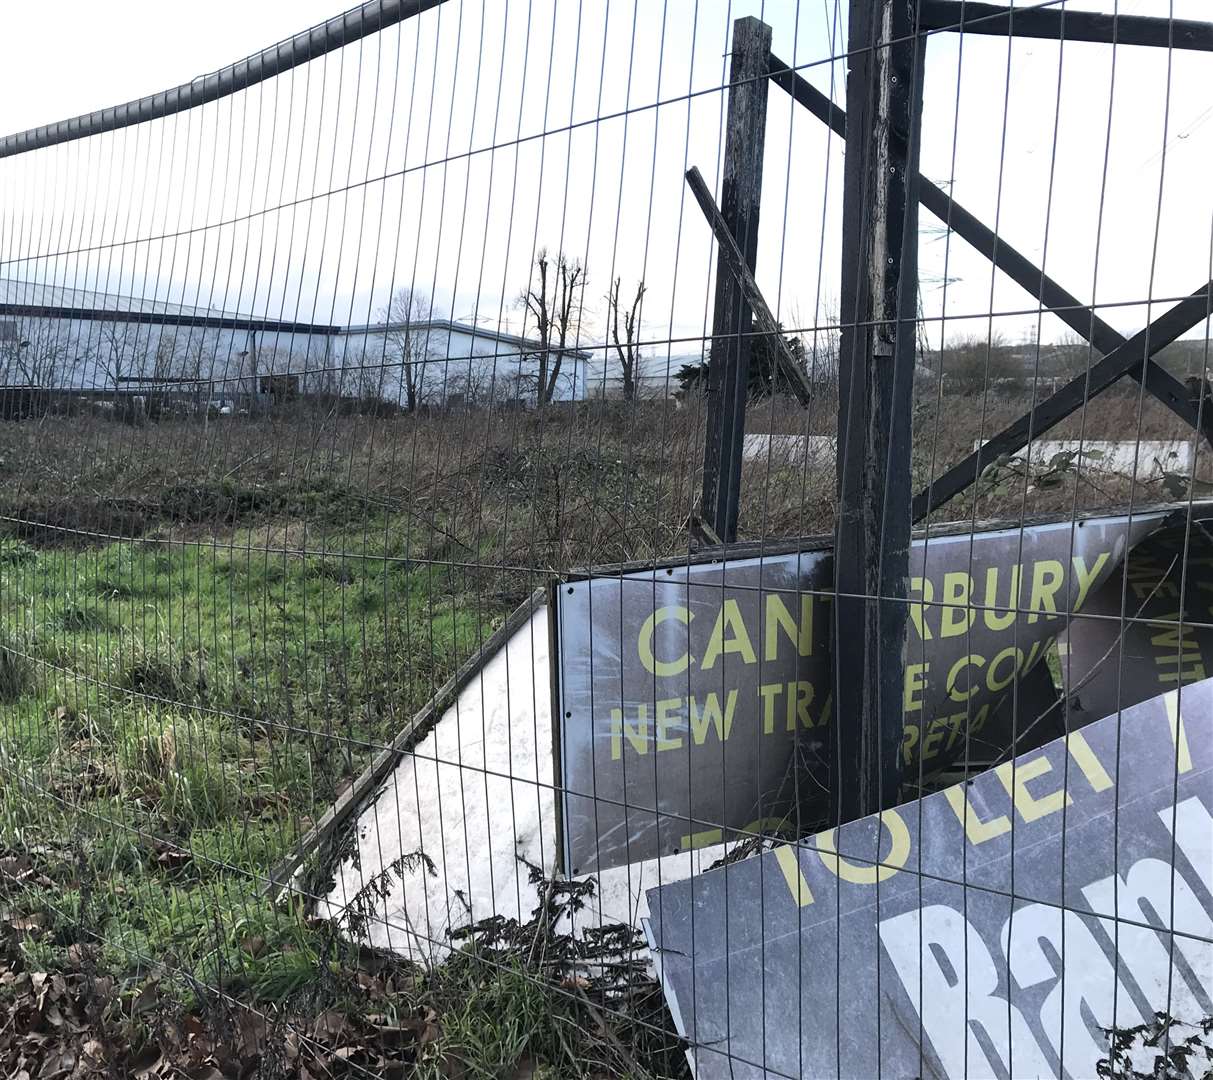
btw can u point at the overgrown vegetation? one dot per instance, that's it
(513, 1002)
(196, 657)
(206, 630)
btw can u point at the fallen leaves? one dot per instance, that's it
(75, 1025)
(350, 1012)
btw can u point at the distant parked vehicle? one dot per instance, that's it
(220, 407)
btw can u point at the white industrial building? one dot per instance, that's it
(450, 361)
(656, 372)
(61, 338)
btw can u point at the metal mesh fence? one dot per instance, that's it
(617, 539)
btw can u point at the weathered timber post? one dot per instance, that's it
(879, 288)
(729, 359)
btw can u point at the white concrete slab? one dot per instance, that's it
(1147, 457)
(787, 449)
(1128, 457)
(476, 797)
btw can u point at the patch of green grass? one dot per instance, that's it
(154, 738)
(497, 1017)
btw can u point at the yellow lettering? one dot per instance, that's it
(663, 668)
(926, 590)
(695, 840)
(637, 734)
(868, 873)
(804, 698)
(993, 620)
(1047, 577)
(711, 717)
(802, 895)
(737, 642)
(669, 709)
(956, 723)
(976, 830)
(915, 684)
(996, 682)
(1015, 779)
(1171, 635)
(1180, 651)
(935, 733)
(1086, 577)
(979, 721)
(957, 615)
(965, 661)
(769, 692)
(779, 618)
(1178, 735)
(1084, 757)
(1183, 675)
(1145, 578)
(767, 826)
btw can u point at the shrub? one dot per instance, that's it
(16, 672)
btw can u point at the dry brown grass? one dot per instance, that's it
(595, 482)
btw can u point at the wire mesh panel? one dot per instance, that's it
(616, 539)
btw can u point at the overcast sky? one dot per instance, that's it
(418, 157)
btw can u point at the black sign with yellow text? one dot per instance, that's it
(694, 701)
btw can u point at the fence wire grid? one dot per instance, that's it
(616, 539)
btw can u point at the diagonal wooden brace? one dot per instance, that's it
(1065, 24)
(794, 373)
(1127, 359)
(1067, 307)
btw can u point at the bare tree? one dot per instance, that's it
(34, 352)
(406, 341)
(10, 348)
(277, 360)
(248, 367)
(627, 347)
(164, 359)
(363, 378)
(554, 299)
(820, 347)
(117, 355)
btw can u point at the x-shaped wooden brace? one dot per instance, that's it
(1132, 356)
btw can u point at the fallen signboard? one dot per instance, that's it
(995, 928)
(693, 702)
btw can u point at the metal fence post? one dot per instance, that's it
(729, 359)
(876, 369)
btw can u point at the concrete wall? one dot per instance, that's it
(451, 361)
(471, 365)
(90, 354)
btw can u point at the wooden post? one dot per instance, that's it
(879, 289)
(729, 359)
